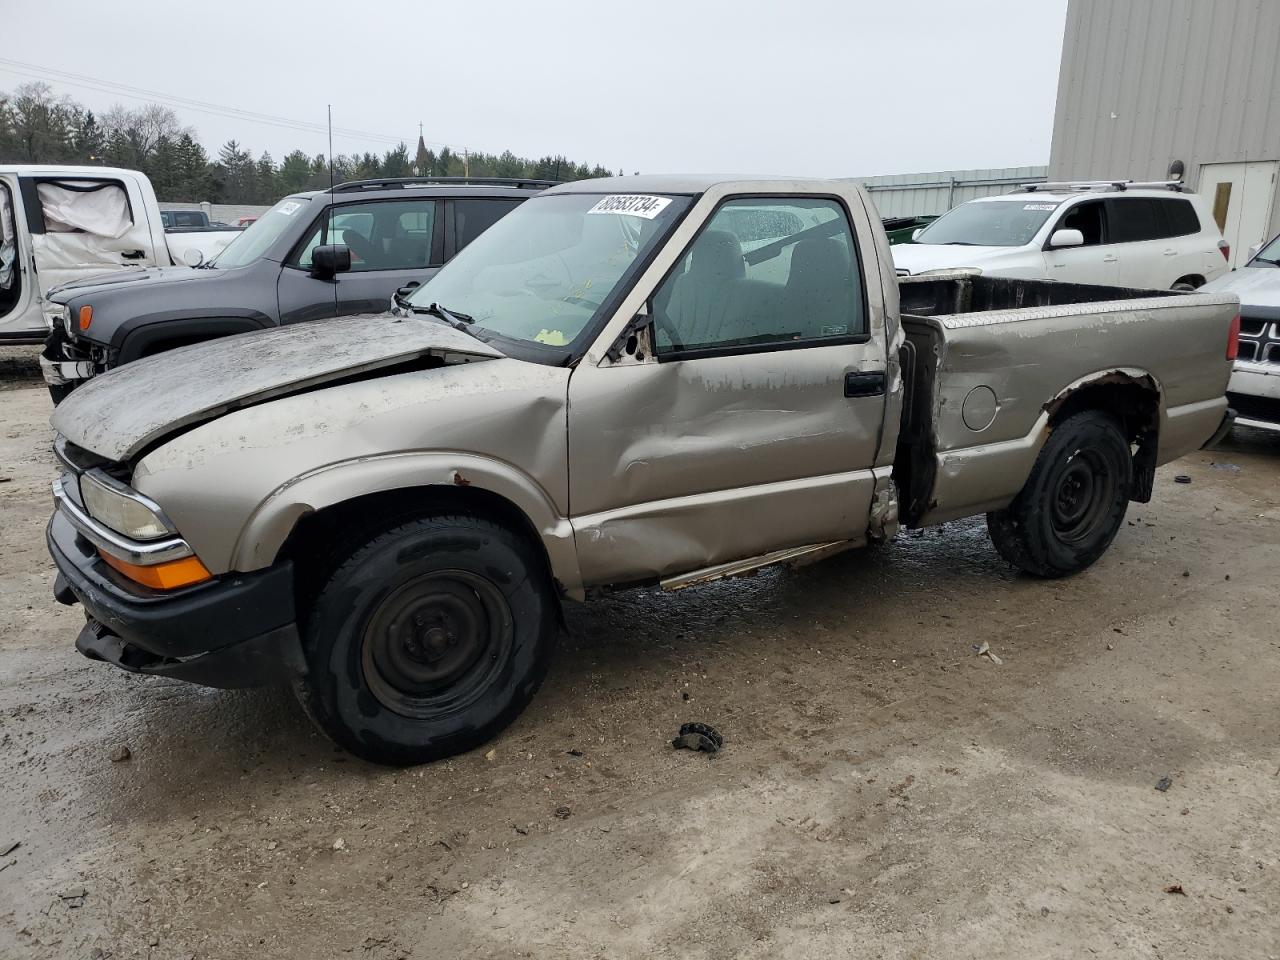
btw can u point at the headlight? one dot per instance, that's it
(56, 314)
(123, 510)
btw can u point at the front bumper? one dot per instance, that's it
(238, 630)
(58, 373)
(64, 361)
(1254, 391)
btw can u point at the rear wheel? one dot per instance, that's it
(1073, 503)
(428, 639)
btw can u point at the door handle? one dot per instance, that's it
(1171, 253)
(133, 254)
(1110, 259)
(864, 384)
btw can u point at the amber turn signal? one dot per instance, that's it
(86, 317)
(162, 576)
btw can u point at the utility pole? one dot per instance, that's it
(466, 163)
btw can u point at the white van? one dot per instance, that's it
(1115, 233)
(60, 223)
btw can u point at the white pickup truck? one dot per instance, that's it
(60, 223)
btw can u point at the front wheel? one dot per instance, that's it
(428, 640)
(1073, 503)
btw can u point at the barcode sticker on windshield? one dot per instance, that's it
(1039, 206)
(631, 205)
(289, 208)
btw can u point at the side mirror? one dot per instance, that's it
(1066, 238)
(330, 259)
(1254, 251)
(192, 257)
(915, 233)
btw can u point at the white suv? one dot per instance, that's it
(1116, 233)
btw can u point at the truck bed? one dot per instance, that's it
(976, 347)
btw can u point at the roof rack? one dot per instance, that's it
(1084, 185)
(520, 183)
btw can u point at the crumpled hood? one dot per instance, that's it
(119, 413)
(133, 276)
(918, 257)
(1255, 286)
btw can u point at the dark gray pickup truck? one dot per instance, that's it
(313, 256)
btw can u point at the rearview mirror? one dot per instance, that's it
(1066, 238)
(330, 259)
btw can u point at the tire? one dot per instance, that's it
(428, 639)
(1073, 503)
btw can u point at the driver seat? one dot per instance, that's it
(702, 297)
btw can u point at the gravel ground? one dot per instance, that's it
(883, 792)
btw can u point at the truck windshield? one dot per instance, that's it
(1268, 256)
(542, 272)
(258, 237)
(991, 223)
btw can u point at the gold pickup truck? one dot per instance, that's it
(627, 382)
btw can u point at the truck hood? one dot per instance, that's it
(1255, 286)
(134, 277)
(919, 257)
(128, 409)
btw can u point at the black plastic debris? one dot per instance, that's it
(698, 736)
(1164, 783)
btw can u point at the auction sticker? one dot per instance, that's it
(631, 205)
(1039, 206)
(288, 209)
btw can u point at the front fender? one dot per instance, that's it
(274, 519)
(142, 334)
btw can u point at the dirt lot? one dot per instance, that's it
(883, 792)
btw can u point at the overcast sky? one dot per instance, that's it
(814, 87)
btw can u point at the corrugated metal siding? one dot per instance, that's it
(920, 194)
(1147, 82)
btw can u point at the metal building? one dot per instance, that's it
(1146, 85)
(920, 194)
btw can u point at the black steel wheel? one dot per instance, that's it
(436, 642)
(427, 640)
(1073, 502)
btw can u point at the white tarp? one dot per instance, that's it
(73, 206)
(8, 240)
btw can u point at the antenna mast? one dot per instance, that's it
(330, 147)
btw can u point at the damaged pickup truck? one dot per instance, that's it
(625, 382)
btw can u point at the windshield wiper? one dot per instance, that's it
(1274, 263)
(459, 321)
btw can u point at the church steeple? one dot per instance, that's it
(422, 161)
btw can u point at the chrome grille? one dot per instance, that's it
(1259, 340)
